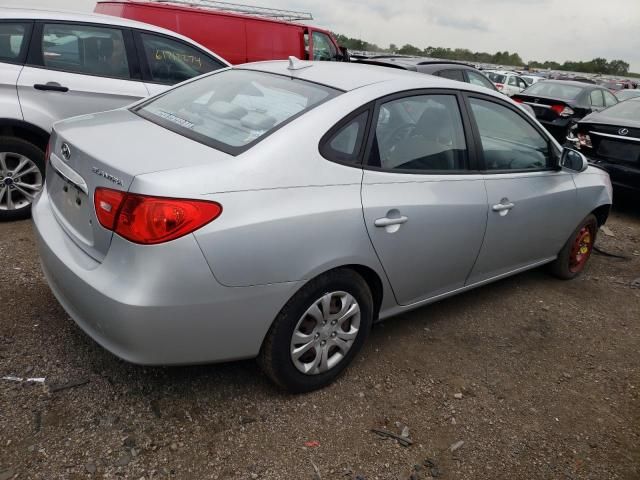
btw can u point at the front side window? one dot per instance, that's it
(610, 99)
(172, 62)
(596, 99)
(476, 78)
(323, 47)
(233, 109)
(509, 142)
(85, 49)
(420, 133)
(12, 37)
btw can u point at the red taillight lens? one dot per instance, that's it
(557, 108)
(516, 99)
(499, 86)
(150, 220)
(108, 203)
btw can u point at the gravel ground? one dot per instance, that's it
(530, 377)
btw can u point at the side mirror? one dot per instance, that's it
(573, 160)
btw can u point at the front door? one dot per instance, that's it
(530, 201)
(82, 69)
(424, 209)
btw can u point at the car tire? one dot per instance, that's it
(576, 252)
(13, 153)
(278, 356)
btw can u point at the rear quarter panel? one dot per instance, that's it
(9, 104)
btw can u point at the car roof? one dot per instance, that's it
(7, 13)
(350, 76)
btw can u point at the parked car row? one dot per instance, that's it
(278, 209)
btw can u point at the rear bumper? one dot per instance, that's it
(155, 305)
(622, 176)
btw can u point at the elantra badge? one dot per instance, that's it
(106, 175)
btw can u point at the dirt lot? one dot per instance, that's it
(548, 372)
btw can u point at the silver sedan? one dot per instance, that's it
(277, 210)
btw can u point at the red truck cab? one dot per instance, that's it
(238, 33)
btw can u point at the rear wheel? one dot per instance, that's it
(21, 177)
(576, 252)
(318, 332)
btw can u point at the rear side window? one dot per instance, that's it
(496, 77)
(234, 109)
(419, 133)
(452, 75)
(345, 144)
(509, 142)
(610, 99)
(172, 62)
(596, 98)
(85, 49)
(12, 40)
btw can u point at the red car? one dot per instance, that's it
(238, 33)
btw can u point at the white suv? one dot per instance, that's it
(509, 83)
(55, 65)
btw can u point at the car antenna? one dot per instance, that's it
(297, 64)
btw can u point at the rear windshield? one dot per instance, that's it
(233, 109)
(629, 110)
(553, 90)
(496, 77)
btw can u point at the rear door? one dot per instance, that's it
(77, 68)
(166, 61)
(530, 202)
(14, 41)
(425, 209)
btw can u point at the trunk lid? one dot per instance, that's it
(617, 144)
(109, 150)
(547, 109)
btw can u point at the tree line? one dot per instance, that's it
(597, 65)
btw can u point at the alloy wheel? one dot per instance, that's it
(20, 181)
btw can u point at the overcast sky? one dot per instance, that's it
(537, 29)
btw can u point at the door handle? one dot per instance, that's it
(503, 206)
(387, 222)
(51, 86)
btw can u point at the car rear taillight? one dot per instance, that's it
(562, 110)
(518, 100)
(108, 203)
(499, 86)
(151, 220)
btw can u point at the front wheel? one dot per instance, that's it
(576, 252)
(21, 177)
(318, 332)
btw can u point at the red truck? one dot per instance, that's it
(238, 33)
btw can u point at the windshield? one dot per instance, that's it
(234, 109)
(496, 77)
(553, 90)
(629, 110)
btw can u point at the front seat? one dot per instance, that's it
(426, 148)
